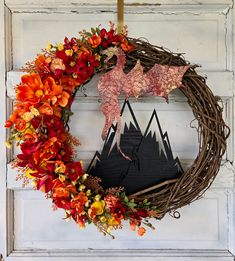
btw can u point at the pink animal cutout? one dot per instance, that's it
(160, 80)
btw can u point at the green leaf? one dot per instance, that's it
(98, 30)
(131, 204)
(93, 30)
(88, 34)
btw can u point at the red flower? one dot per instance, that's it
(69, 44)
(62, 55)
(142, 213)
(65, 153)
(29, 148)
(8, 124)
(45, 183)
(109, 38)
(74, 170)
(62, 203)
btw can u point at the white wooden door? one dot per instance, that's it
(203, 30)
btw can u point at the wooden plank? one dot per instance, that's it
(3, 216)
(224, 179)
(201, 226)
(220, 82)
(122, 255)
(48, 6)
(40, 27)
(32, 258)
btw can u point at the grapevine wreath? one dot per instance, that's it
(39, 125)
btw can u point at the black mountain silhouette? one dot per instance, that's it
(152, 158)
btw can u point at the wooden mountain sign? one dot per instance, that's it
(152, 159)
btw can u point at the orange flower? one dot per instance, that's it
(61, 189)
(55, 93)
(46, 109)
(61, 192)
(42, 62)
(94, 40)
(30, 137)
(68, 83)
(132, 225)
(30, 89)
(57, 111)
(79, 201)
(20, 124)
(126, 47)
(141, 231)
(63, 99)
(33, 90)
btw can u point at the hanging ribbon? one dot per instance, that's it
(120, 15)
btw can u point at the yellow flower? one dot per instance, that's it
(28, 116)
(60, 47)
(103, 219)
(59, 167)
(97, 197)
(34, 183)
(98, 207)
(109, 229)
(112, 221)
(34, 111)
(81, 187)
(29, 172)
(69, 52)
(8, 144)
(29, 131)
(72, 64)
(62, 178)
(88, 192)
(48, 47)
(97, 57)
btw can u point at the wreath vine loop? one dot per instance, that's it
(39, 125)
(212, 130)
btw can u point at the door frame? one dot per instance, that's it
(6, 196)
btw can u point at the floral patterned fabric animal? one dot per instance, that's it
(160, 80)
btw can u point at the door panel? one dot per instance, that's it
(204, 33)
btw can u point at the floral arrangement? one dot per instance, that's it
(39, 126)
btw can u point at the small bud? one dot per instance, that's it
(97, 197)
(60, 47)
(8, 144)
(103, 219)
(48, 47)
(88, 192)
(82, 187)
(87, 203)
(109, 229)
(84, 176)
(69, 52)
